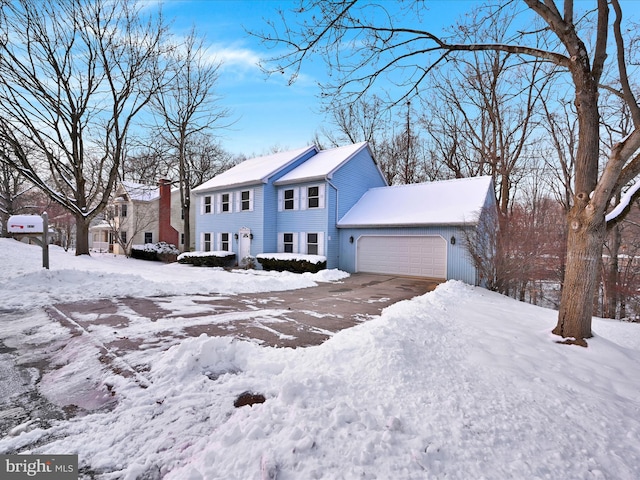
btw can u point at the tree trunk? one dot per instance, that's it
(82, 235)
(611, 274)
(187, 227)
(584, 252)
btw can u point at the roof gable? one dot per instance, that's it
(322, 165)
(255, 170)
(449, 202)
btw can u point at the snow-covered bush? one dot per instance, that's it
(222, 259)
(248, 263)
(292, 262)
(160, 251)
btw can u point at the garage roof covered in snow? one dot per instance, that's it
(254, 170)
(449, 202)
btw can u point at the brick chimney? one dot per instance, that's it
(166, 233)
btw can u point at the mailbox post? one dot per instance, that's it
(32, 226)
(45, 240)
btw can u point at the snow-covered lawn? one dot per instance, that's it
(460, 383)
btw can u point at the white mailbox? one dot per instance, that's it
(25, 224)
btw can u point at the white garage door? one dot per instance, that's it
(419, 256)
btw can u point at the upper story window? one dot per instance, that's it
(123, 210)
(289, 203)
(207, 205)
(245, 200)
(288, 199)
(225, 202)
(313, 197)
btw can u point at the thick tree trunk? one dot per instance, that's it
(82, 235)
(584, 252)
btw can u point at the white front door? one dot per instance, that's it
(244, 243)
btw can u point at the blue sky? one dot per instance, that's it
(267, 112)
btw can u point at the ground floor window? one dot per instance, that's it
(123, 237)
(148, 237)
(288, 242)
(206, 244)
(224, 242)
(312, 244)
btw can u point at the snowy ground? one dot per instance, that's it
(459, 383)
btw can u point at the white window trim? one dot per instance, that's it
(204, 205)
(219, 241)
(230, 194)
(296, 199)
(281, 241)
(203, 238)
(238, 198)
(304, 200)
(304, 244)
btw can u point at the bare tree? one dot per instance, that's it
(206, 158)
(14, 195)
(73, 76)
(146, 160)
(482, 109)
(392, 134)
(186, 107)
(131, 214)
(363, 45)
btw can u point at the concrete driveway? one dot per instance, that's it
(125, 334)
(294, 318)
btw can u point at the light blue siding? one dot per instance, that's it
(260, 220)
(344, 189)
(232, 222)
(459, 264)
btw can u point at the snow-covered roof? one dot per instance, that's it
(322, 165)
(141, 192)
(449, 202)
(254, 170)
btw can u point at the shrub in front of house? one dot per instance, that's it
(158, 252)
(292, 262)
(208, 259)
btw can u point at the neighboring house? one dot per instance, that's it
(285, 202)
(141, 214)
(336, 203)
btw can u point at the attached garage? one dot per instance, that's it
(417, 256)
(417, 230)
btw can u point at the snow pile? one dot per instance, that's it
(459, 383)
(25, 284)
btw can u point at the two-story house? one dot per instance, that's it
(336, 203)
(141, 214)
(284, 202)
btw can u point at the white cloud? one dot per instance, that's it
(233, 57)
